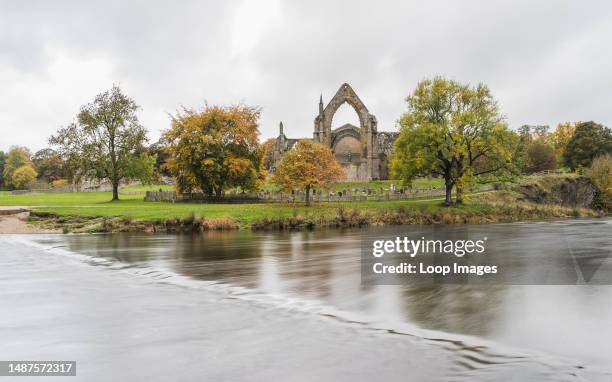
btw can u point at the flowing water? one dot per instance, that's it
(318, 272)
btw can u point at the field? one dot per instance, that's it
(98, 204)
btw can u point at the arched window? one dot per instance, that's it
(345, 114)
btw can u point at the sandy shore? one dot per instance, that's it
(17, 223)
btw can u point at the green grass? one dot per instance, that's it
(96, 204)
(61, 199)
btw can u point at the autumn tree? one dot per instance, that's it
(16, 158)
(267, 152)
(308, 165)
(589, 141)
(454, 131)
(540, 157)
(559, 139)
(48, 164)
(23, 177)
(215, 149)
(107, 140)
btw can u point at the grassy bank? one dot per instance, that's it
(93, 212)
(80, 206)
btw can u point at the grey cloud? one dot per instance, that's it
(545, 61)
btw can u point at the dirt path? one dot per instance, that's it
(17, 223)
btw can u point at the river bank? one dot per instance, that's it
(542, 198)
(16, 221)
(482, 208)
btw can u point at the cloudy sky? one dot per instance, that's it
(545, 61)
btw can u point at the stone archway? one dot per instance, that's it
(345, 94)
(323, 133)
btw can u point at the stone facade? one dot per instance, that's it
(362, 151)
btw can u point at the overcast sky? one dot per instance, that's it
(545, 61)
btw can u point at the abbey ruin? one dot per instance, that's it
(363, 151)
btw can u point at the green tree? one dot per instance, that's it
(107, 140)
(589, 141)
(69, 147)
(16, 158)
(23, 177)
(454, 131)
(48, 164)
(540, 157)
(600, 174)
(158, 150)
(559, 139)
(2, 160)
(144, 168)
(215, 149)
(307, 166)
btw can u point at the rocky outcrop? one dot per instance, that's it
(577, 192)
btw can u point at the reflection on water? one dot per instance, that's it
(325, 266)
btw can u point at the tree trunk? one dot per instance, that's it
(115, 190)
(449, 193)
(459, 195)
(307, 196)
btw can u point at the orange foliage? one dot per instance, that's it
(215, 148)
(307, 166)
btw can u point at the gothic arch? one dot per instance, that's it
(365, 134)
(345, 94)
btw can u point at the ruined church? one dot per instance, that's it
(363, 151)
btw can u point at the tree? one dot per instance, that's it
(590, 140)
(559, 138)
(215, 149)
(267, 149)
(144, 168)
(17, 157)
(69, 148)
(2, 160)
(530, 133)
(48, 164)
(23, 177)
(307, 166)
(540, 157)
(600, 174)
(106, 141)
(158, 150)
(456, 132)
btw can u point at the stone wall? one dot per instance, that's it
(316, 196)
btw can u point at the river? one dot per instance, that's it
(564, 327)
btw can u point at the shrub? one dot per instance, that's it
(600, 174)
(23, 177)
(540, 157)
(59, 182)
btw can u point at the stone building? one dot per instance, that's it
(362, 150)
